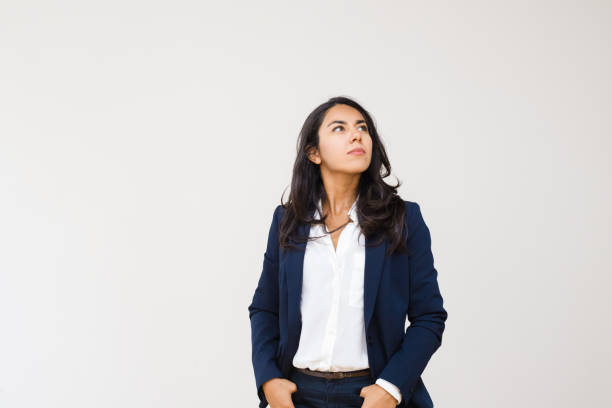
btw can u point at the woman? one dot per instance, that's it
(346, 261)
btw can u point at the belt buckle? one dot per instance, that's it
(340, 374)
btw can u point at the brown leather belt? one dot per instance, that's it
(333, 374)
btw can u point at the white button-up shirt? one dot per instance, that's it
(333, 329)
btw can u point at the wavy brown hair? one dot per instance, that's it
(380, 210)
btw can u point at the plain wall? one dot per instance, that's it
(144, 146)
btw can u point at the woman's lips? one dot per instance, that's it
(357, 152)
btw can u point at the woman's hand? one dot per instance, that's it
(376, 396)
(278, 392)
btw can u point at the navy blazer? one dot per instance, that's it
(395, 286)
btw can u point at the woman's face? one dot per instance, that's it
(342, 130)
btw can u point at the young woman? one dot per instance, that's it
(346, 261)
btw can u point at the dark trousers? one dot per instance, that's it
(319, 392)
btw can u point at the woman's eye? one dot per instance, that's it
(340, 127)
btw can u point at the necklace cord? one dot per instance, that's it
(336, 229)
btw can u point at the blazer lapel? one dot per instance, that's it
(374, 260)
(294, 268)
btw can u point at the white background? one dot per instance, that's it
(144, 146)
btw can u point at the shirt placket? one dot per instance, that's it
(331, 330)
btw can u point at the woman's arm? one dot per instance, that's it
(263, 313)
(426, 313)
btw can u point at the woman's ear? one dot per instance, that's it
(313, 155)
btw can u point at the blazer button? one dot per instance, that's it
(369, 339)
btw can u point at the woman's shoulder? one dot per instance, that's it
(411, 206)
(414, 215)
(278, 212)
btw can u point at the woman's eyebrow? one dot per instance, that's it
(344, 123)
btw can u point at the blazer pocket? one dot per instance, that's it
(356, 282)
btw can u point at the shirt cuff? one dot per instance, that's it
(390, 388)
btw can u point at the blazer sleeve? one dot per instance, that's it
(425, 312)
(263, 315)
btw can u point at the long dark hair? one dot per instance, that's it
(380, 210)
